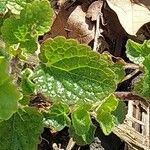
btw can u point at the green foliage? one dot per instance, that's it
(79, 82)
(82, 129)
(137, 52)
(81, 121)
(33, 21)
(21, 131)
(142, 85)
(72, 72)
(105, 111)
(2, 6)
(84, 139)
(119, 113)
(9, 95)
(57, 118)
(27, 85)
(141, 52)
(15, 6)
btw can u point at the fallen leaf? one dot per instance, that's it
(73, 23)
(94, 9)
(131, 15)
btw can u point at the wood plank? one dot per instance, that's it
(131, 136)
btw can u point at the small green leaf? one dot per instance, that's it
(15, 6)
(4, 77)
(81, 120)
(142, 85)
(3, 6)
(104, 114)
(73, 73)
(20, 34)
(137, 52)
(120, 113)
(27, 85)
(21, 131)
(85, 139)
(141, 52)
(33, 21)
(57, 118)
(9, 95)
(40, 20)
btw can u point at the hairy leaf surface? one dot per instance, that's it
(57, 118)
(141, 52)
(9, 95)
(137, 52)
(33, 21)
(84, 139)
(21, 131)
(81, 121)
(105, 115)
(72, 72)
(142, 85)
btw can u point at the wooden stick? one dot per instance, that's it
(70, 144)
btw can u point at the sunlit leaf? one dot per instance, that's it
(72, 72)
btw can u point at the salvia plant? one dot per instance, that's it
(77, 83)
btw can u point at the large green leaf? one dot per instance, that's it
(137, 52)
(105, 115)
(72, 72)
(21, 131)
(9, 95)
(57, 118)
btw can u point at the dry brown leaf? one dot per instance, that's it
(131, 15)
(94, 9)
(72, 23)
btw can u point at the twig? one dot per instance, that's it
(128, 96)
(70, 144)
(129, 76)
(131, 66)
(97, 34)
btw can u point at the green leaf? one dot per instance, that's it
(3, 6)
(142, 85)
(120, 113)
(104, 114)
(81, 120)
(9, 95)
(15, 6)
(73, 73)
(4, 77)
(57, 118)
(21, 131)
(33, 21)
(38, 15)
(20, 34)
(137, 52)
(85, 139)
(27, 85)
